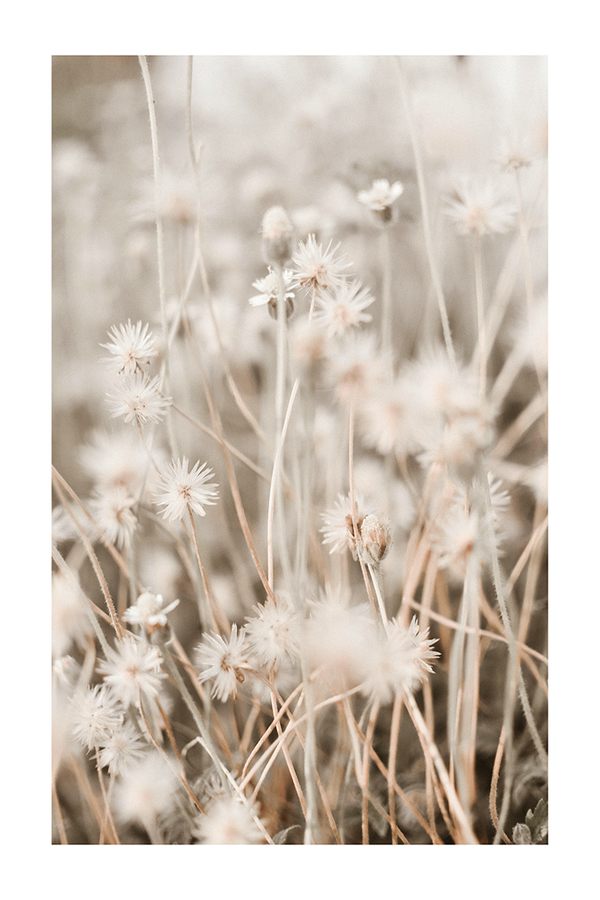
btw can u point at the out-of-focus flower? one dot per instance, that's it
(400, 663)
(357, 369)
(223, 662)
(145, 791)
(273, 633)
(343, 309)
(138, 399)
(228, 820)
(149, 612)
(317, 267)
(277, 236)
(121, 748)
(339, 637)
(182, 490)
(112, 509)
(131, 669)
(70, 622)
(477, 207)
(380, 196)
(96, 714)
(118, 459)
(387, 421)
(131, 347)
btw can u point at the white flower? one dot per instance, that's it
(387, 421)
(228, 820)
(70, 621)
(146, 791)
(381, 194)
(96, 715)
(149, 612)
(356, 368)
(273, 633)
(223, 661)
(343, 310)
(122, 747)
(118, 459)
(338, 529)
(339, 638)
(318, 268)
(132, 347)
(268, 288)
(183, 490)
(138, 399)
(112, 509)
(400, 663)
(132, 668)
(478, 208)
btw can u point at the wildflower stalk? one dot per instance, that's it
(386, 308)
(437, 284)
(391, 773)
(481, 343)
(159, 243)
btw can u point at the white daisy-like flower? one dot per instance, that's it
(387, 421)
(149, 612)
(122, 747)
(118, 458)
(137, 398)
(477, 207)
(132, 347)
(400, 663)
(317, 267)
(272, 633)
(343, 309)
(112, 509)
(268, 288)
(338, 529)
(132, 668)
(96, 714)
(223, 662)
(228, 820)
(182, 490)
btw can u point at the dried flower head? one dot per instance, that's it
(138, 399)
(122, 747)
(223, 662)
(338, 529)
(228, 820)
(375, 539)
(318, 268)
(268, 288)
(96, 714)
(478, 208)
(112, 509)
(133, 668)
(149, 612)
(343, 309)
(131, 347)
(273, 633)
(182, 490)
(277, 236)
(400, 663)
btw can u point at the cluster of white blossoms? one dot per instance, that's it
(134, 396)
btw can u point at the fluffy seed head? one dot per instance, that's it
(182, 490)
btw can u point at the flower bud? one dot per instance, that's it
(375, 539)
(277, 235)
